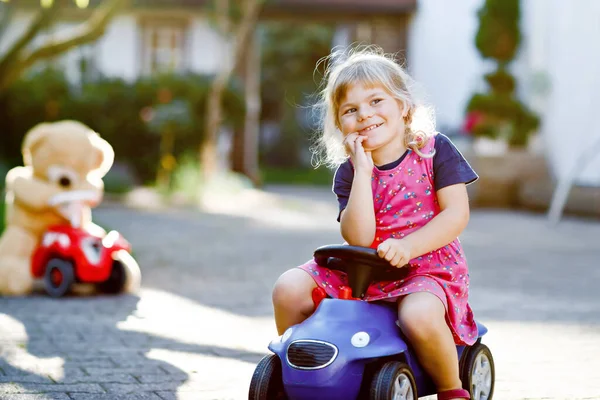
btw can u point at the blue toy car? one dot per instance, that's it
(352, 349)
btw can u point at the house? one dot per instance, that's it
(556, 71)
(556, 67)
(177, 35)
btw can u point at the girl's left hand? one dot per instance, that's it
(396, 251)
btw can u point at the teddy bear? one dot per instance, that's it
(60, 159)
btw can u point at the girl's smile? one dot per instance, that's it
(369, 128)
(371, 112)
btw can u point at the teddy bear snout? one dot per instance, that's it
(64, 181)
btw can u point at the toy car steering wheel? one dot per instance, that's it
(362, 265)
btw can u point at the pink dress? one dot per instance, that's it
(404, 201)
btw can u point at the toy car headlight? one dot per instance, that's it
(360, 339)
(286, 335)
(55, 237)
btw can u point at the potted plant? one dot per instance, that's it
(498, 114)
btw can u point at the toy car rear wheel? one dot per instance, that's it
(478, 372)
(116, 281)
(58, 277)
(394, 380)
(267, 383)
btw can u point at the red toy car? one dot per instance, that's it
(68, 254)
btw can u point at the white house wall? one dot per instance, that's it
(561, 63)
(557, 70)
(443, 58)
(118, 52)
(207, 48)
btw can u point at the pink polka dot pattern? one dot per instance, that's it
(405, 201)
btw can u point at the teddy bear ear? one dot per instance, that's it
(105, 155)
(33, 138)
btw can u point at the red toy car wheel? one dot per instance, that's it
(58, 277)
(116, 281)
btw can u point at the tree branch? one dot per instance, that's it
(40, 22)
(242, 35)
(93, 29)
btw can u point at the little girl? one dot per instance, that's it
(401, 190)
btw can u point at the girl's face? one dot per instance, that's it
(372, 112)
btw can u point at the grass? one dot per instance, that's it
(306, 176)
(1, 215)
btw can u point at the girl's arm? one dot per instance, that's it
(357, 221)
(446, 226)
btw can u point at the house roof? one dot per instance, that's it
(364, 7)
(343, 6)
(368, 6)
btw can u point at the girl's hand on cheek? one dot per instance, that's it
(396, 251)
(362, 160)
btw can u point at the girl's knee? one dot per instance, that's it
(293, 289)
(421, 316)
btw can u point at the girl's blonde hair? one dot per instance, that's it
(370, 66)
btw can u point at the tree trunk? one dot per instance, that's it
(167, 159)
(17, 59)
(251, 131)
(208, 149)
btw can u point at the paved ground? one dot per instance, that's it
(203, 318)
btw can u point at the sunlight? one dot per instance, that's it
(537, 359)
(13, 349)
(270, 210)
(170, 316)
(199, 367)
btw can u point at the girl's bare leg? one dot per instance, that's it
(422, 319)
(292, 298)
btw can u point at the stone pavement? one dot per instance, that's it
(203, 318)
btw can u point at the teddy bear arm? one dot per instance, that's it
(28, 190)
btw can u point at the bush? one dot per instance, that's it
(500, 113)
(3, 171)
(288, 81)
(498, 36)
(501, 82)
(116, 109)
(33, 99)
(119, 180)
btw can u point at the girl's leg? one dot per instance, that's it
(292, 298)
(422, 319)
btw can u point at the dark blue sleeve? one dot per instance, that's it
(342, 183)
(449, 165)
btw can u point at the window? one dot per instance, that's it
(164, 47)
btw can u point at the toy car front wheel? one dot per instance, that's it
(116, 280)
(58, 277)
(266, 383)
(393, 381)
(478, 372)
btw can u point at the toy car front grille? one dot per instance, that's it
(311, 354)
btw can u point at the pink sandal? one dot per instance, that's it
(454, 394)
